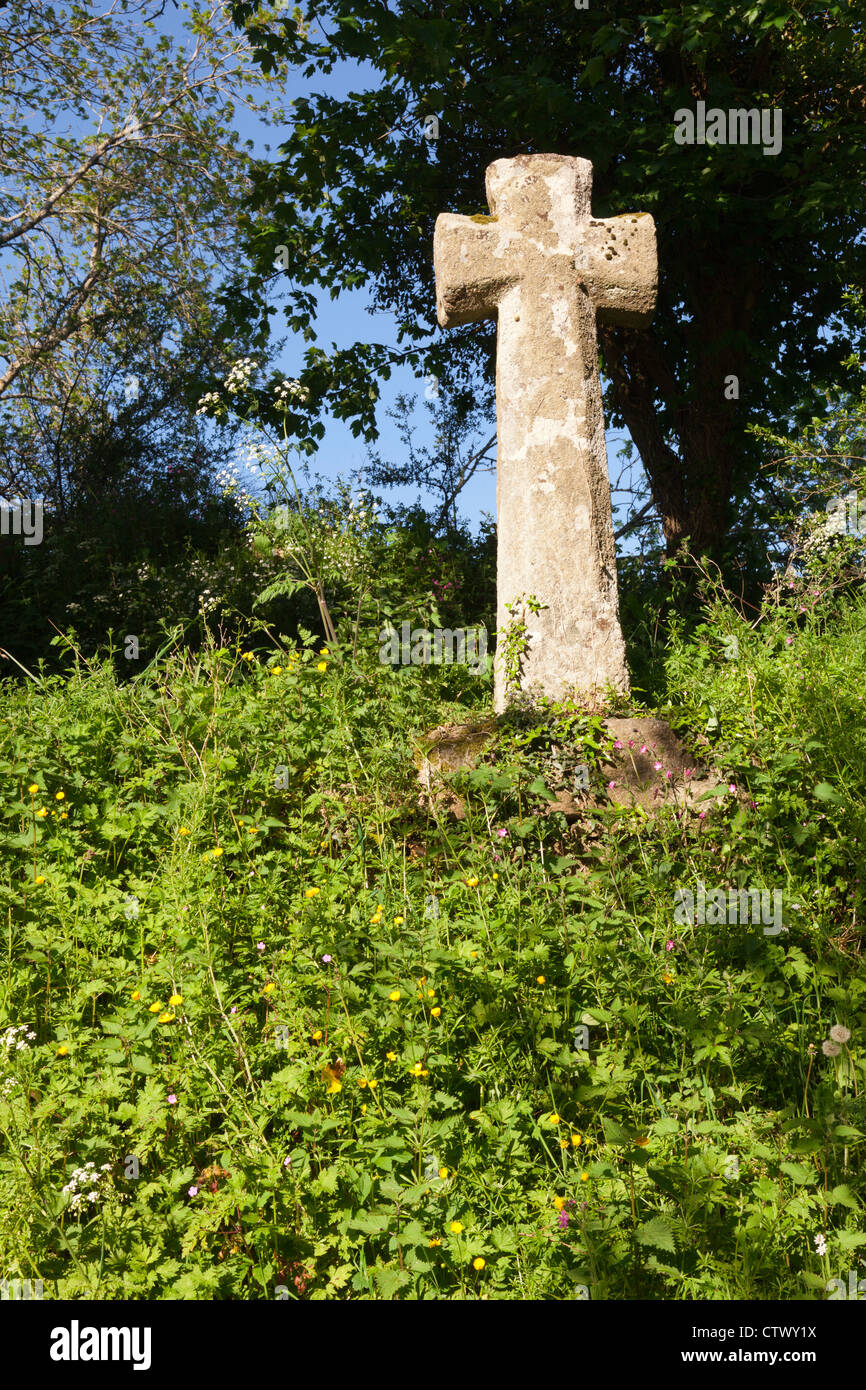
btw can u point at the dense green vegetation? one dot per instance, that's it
(332, 1028)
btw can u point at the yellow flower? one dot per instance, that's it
(443, 1173)
(252, 830)
(394, 995)
(667, 979)
(473, 954)
(563, 1143)
(323, 843)
(155, 1009)
(363, 1109)
(554, 1119)
(321, 665)
(247, 656)
(216, 852)
(136, 994)
(62, 1050)
(435, 1012)
(472, 883)
(539, 979)
(269, 988)
(576, 1141)
(60, 796)
(310, 892)
(40, 878)
(276, 670)
(183, 830)
(362, 1083)
(334, 1087)
(377, 919)
(391, 1056)
(373, 1083)
(64, 815)
(317, 1035)
(174, 1000)
(166, 1018)
(33, 788)
(324, 652)
(434, 1242)
(398, 921)
(479, 1263)
(495, 875)
(206, 854)
(456, 1227)
(559, 1203)
(41, 813)
(584, 1177)
(431, 994)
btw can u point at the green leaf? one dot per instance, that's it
(659, 1233)
(825, 792)
(843, 1196)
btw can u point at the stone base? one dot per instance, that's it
(636, 780)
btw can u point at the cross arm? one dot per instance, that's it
(472, 268)
(619, 262)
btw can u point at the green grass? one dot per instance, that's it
(215, 828)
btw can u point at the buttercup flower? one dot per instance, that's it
(310, 892)
(183, 830)
(391, 1056)
(174, 1000)
(456, 1227)
(478, 1263)
(269, 987)
(40, 878)
(166, 1018)
(321, 665)
(60, 796)
(559, 1203)
(33, 788)
(394, 995)
(155, 1009)
(41, 813)
(539, 979)
(136, 994)
(62, 1050)
(317, 1035)
(472, 882)
(216, 852)
(576, 1140)
(435, 1012)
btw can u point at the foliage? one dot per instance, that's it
(755, 250)
(320, 1042)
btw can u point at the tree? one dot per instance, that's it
(756, 249)
(120, 177)
(444, 470)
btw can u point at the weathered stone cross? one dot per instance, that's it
(546, 267)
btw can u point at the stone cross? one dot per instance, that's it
(545, 268)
